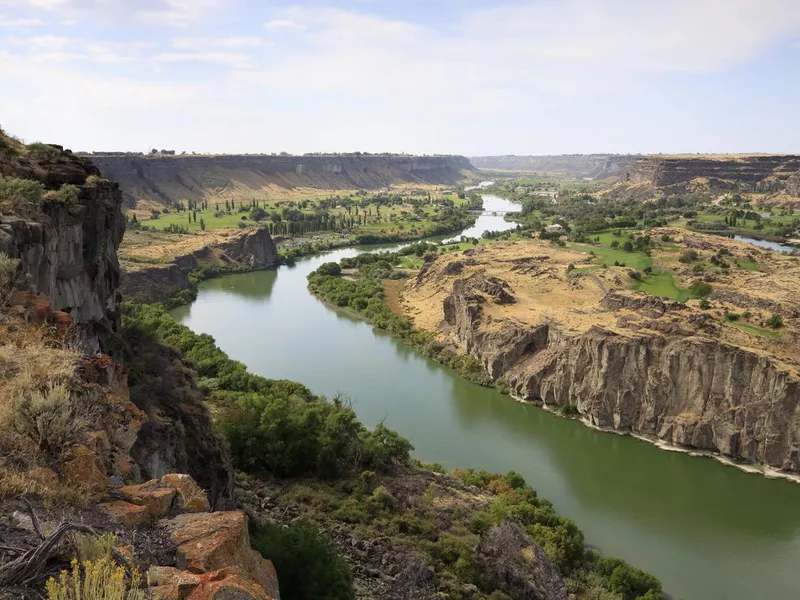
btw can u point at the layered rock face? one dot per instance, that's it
(250, 249)
(746, 173)
(596, 166)
(167, 180)
(626, 361)
(70, 254)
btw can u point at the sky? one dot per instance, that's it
(419, 76)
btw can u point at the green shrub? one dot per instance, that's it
(775, 321)
(514, 480)
(383, 497)
(631, 583)
(9, 272)
(66, 194)
(15, 193)
(330, 269)
(705, 304)
(700, 289)
(352, 511)
(296, 435)
(568, 410)
(480, 522)
(307, 564)
(44, 152)
(732, 316)
(688, 256)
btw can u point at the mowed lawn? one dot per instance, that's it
(770, 333)
(658, 283)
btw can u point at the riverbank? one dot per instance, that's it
(166, 267)
(407, 512)
(766, 472)
(608, 484)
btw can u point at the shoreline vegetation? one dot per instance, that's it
(341, 472)
(363, 293)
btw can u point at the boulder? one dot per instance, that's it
(226, 584)
(130, 515)
(209, 542)
(85, 469)
(517, 565)
(156, 498)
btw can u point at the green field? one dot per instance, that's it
(398, 219)
(657, 283)
(747, 265)
(770, 333)
(662, 284)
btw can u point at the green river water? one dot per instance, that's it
(707, 530)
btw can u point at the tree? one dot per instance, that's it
(775, 321)
(627, 246)
(258, 214)
(330, 268)
(202, 224)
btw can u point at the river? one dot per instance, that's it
(776, 246)
(707, 530)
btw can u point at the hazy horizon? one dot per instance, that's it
(530, 77)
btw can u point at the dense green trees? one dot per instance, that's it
(272, 426)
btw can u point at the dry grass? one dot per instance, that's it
(39, 418)
(15, 483)
(95, 580)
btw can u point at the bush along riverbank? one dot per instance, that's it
(363, 291)
(344, 512)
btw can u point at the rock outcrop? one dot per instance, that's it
(596, 166)
(170, 179)
(625, 361)
(759, 173)
(70, 255)
(249, 249)
(518, 565)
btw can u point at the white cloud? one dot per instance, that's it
(45, 48)
(230, 58)
(283, 24)
(155, 13)
(562, 71)
(202, 43)
(19, 23)
(625, 35)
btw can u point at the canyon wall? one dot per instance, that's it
(621, 360)
(69, 251)
(166, 180)
(595, 166)
(246, 250)
(68, 254)
(762, 173)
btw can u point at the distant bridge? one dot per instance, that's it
(491, 212)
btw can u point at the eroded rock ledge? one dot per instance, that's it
(624, 360)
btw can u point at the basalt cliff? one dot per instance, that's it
(594, 166)
(776, 175)
(578, 341)
(164, 181)
(111, 429)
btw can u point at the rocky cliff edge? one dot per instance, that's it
(625, 360)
